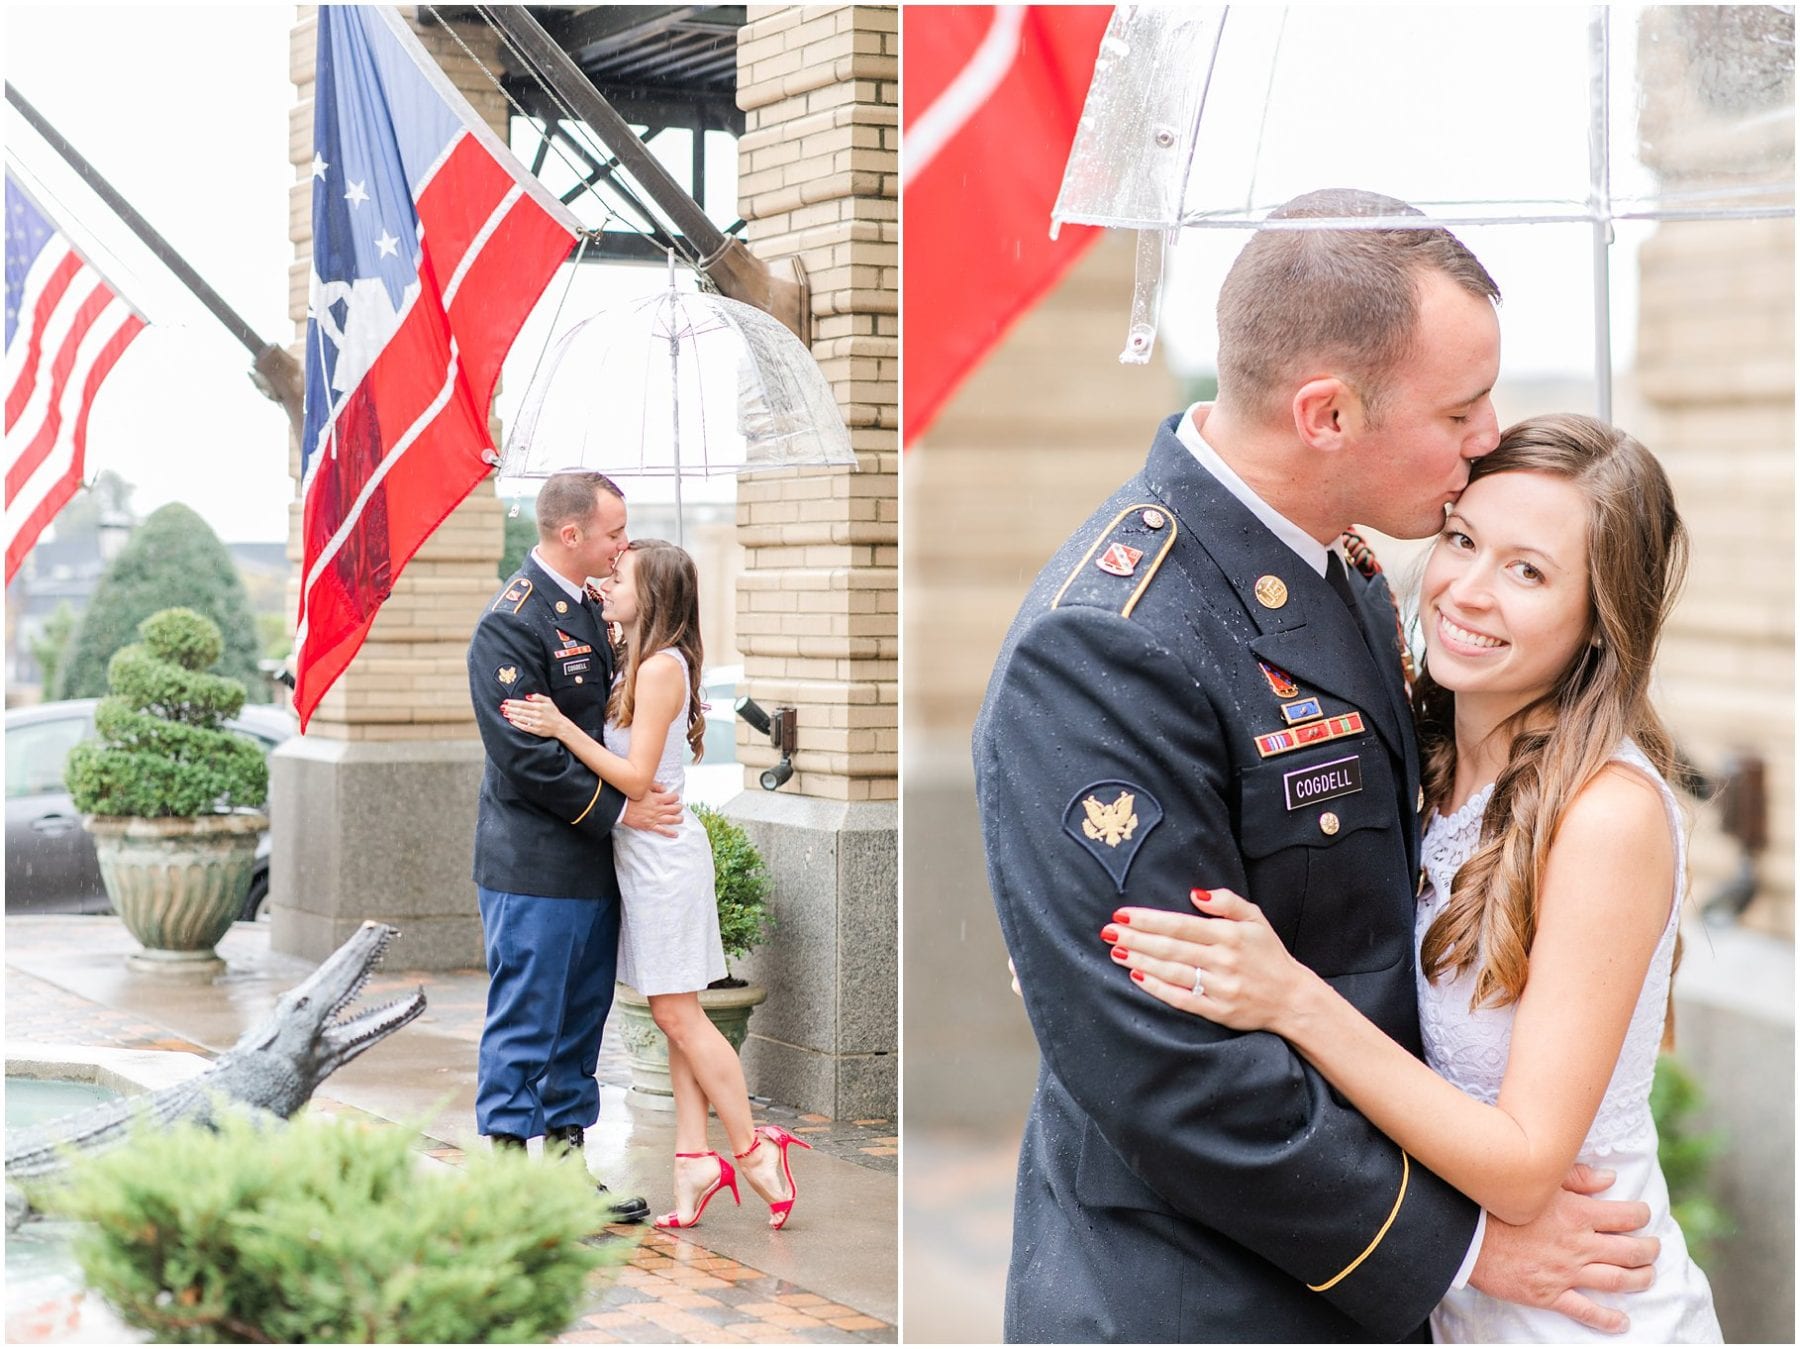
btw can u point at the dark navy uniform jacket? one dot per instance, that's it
(545, 822)
(1179, 1181)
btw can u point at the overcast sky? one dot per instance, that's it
(184, 110)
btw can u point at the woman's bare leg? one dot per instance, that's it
(714, 1067)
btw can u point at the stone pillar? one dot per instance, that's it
(818, 605)
(1716, 367)
(374, 808)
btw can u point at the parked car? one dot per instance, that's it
(50, 862)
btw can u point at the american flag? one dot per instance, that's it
(65, 329)
(431, 244)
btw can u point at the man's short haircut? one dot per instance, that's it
(567, 498)
(1347, 299)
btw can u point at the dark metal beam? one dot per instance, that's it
(607, 30)
(608, 174)
(736, 271)
(644, 106)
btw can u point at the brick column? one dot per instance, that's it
(1715, 366)
(818, 605)
(374, 808)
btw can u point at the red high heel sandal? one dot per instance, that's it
(779, 1209)
(727, 1180)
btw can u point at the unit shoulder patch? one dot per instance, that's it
(1119, 566)
(513, 597)
(1110, 820)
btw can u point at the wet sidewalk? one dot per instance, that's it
(830, 1277)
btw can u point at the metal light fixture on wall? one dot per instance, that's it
(780, 728)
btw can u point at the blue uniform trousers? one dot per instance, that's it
(551, 964)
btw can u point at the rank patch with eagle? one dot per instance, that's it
(1110, 820)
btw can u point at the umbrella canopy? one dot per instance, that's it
(678, 384)
(1209, 117)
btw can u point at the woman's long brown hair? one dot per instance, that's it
(1637, 557)
(668, 599)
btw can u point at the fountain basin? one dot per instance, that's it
(46, 1301)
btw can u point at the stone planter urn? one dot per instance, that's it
(648, 1050)
(178, 883)
(173, 802)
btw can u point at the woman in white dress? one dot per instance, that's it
(669, 946)
(1554, 872)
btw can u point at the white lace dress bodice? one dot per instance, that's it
(1470, 1047)
(669, 915)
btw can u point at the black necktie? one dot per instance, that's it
(1340, 581)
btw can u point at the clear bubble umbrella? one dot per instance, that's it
(681, 384)
(1207, 117)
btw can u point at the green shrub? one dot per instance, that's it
(48, 648)
(1686, 1158)
(331, 1231)
(172, 559)
(741, 883)
(159, 749)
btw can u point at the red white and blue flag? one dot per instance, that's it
(431, 244)
(66, 328)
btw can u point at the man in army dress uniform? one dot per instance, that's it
(1196, 692)
(543, 839)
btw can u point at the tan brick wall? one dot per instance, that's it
(1037, 438)
(818, 604)
(1716, 367)
(409, 681)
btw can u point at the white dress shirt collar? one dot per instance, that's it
(1311, 551)
(572, 590)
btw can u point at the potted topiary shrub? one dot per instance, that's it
(741, 885)
(172, 801)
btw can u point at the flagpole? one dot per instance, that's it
(275, 373)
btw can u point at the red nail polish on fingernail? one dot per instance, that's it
(1199, 896)
(1109, 933)
(1120, 953)
(1138, 975)
(1122, 918)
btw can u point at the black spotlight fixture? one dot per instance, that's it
(780, 728)
(751, 711)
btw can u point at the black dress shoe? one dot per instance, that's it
(506, 1142)
(567, 1141)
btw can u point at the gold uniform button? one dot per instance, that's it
(1154, 519)
(562, 606)
(577, 679)
(1328, 823)
(1271, 592)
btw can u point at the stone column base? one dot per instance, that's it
(827, 1039)
(1734, 1030)
(372, 829)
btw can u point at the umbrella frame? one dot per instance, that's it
(1598, 211)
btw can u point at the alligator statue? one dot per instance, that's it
(270, 1072)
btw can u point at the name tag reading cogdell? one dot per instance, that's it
(1308, 786)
